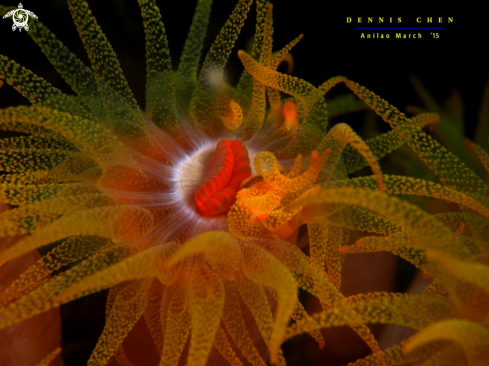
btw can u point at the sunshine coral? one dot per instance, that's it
(190, 211)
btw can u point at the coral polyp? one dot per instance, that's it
(206, 212)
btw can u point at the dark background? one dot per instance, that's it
(330, 47)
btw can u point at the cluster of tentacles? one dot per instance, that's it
(190, 210)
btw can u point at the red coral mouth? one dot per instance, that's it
(228, 166)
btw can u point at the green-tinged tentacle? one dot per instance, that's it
(210, 80)
(79, 77)
(29, 218)
(87, 135)
(344, 104)
(118, 99)
(409, 312)
(396, 184)
(279, 56)
(443, 163)
(38, 90)
(429, 233)
(186, 75)
(246, 84)
(384, 144)
(160, 94)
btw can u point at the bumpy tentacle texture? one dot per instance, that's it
(190, 211)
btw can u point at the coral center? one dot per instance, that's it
(228, 166)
